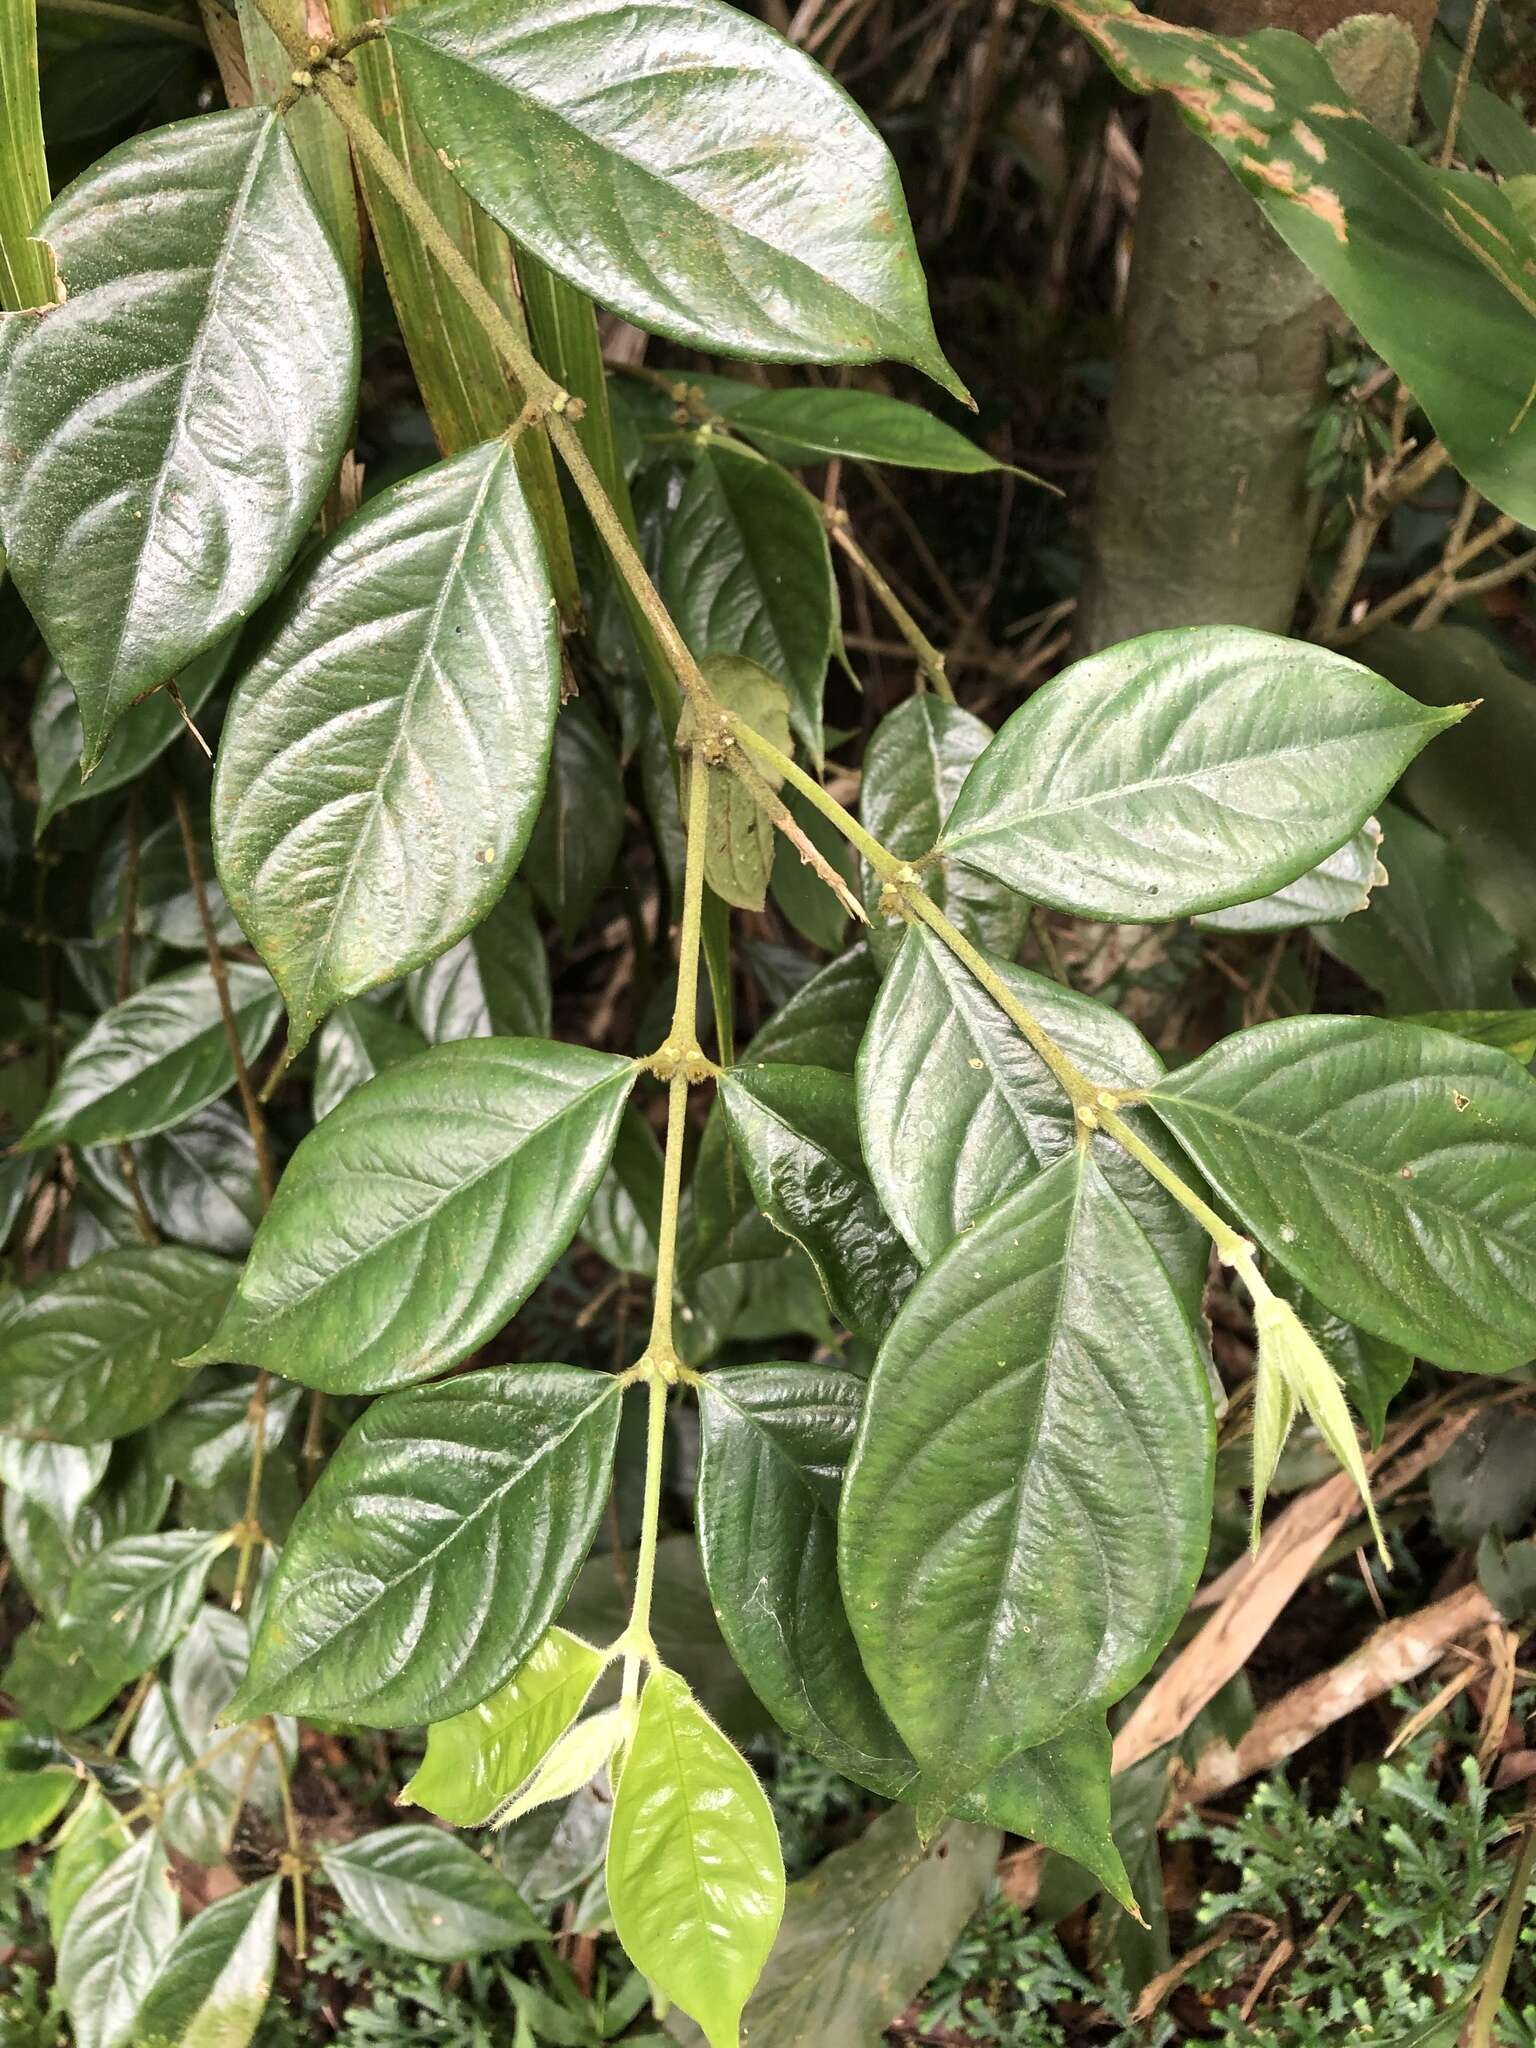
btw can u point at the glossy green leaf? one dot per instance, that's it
(1028, 1503)
(823, 1021)
(1432, 266)
(133, 1602)
(356, 1042)
(623, 1221)
(51, 1679)
(1336, 888)
(1373, 1371)
(198, 1811)
(739, 841)
(695, 1878)
(803, 253)
(117, 1938)
(417, 1889)
(1390, 1168)
(156, 1058)
(796, 1130)
(1512, 1031)
(140, 737)
(775, 1439)
(59, 1477)
(477, 1760)
(207, 1666)
(956, 1111)
(33, 1790)
(91, 1838)
(26, 272)
(864, 1933)
(1424, 942)
(383, 759)
(167, 434)
(914, 767)
(495, 983)
(423, 1211)
(164, 903)
(436, 1548)
(1184, 771)
(200, 1181)
(215, 1983)
(809, 425)
(746, 569)
(580, 826)
(92, 1354)
(1472, 784)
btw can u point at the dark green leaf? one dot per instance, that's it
(1336, 888)
(746, 569)
(168, 432)
(1184, 771)
(864, 1933)
(356, 1042)
(91, 1838)
(1424, 942)
(866, 426)
(1512, 1031)
(957, 1111)
(1486, 1482)
(58, 1477)
(802, 252)
(140, 736)
(206, 1668)
(624, 1219)
(811, 907)
(164, 903)
(33, 1792)
(476, 1761)
(1390, 1168)
(93, 1354)
(1028, 1504)
(422, 1212)
(417, 1889)
(822, 1023)
(1472, 785)
(52, 1680)
(156, 1058)
(133, 1602)
(695, 1877)
(495, 983)
(117, 1938)
(775, 1440)
(580, 826)
(383, 759)
(1432, 266)
(214, 1985)
(209, 1434)
(796, 1129)
(200, 1181)
(473, 1502)
(915, 767)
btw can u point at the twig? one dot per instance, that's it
(930, 662)
(1398, 484)
(1463, 80)
(776, 809)
(1427, 584)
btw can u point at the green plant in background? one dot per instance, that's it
(247, 1484)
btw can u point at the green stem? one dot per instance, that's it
(930, 661)
(1232, 1248)
(642, 1646)
(884, 864)
(1496, 1970)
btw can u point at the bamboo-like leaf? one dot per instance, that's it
(26, 268)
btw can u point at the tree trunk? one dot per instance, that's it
(1202, 514)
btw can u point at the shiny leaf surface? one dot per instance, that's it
(215, 1983)
(493, 984)
(1028, 1503)
(168, 432)
(417, 1889)
(1336, 888)
(356, 1042)
(746, 569)
(439, 1543)
(157, 1058)
(914, 768)
(956, 1110)
(116, 1940)
(796, 1130)
(1184, 771)
(1390, 1168)
(718, 188)
(477, 1760)
(421, 1213)
(383, 759)
(133, 1602)
(864, 426)
(695, 1878)
(580, 826)
(92, 1354)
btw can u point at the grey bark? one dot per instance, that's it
(1201, 512)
